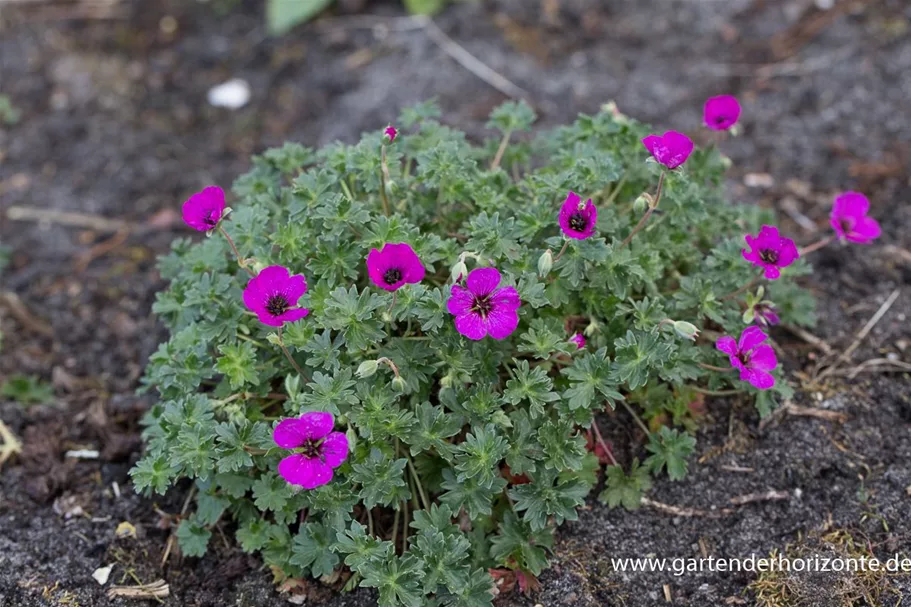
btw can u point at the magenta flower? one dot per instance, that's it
(204, 209)
(390, 133)
(483, 308)
(721, 113)
(849, 218)
(317, 449)
(765, 314)
(577, 220)
(273, 295)
(579, 340)
(394, 266)
(770, 250)
(671, 149)
(752, 359)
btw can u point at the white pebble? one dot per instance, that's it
(233, 94)
(102, 574)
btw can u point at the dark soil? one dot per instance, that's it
(115, 123)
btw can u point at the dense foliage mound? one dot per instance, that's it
(442, 416)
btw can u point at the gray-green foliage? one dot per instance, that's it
(482, 445)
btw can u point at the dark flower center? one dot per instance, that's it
(768, 256)
(310, 449)
(578, 222)
(211, 218)
(392, 276)
(721, 119)
(847, 225)
(744, 357)
(482, 305)
(277, 305)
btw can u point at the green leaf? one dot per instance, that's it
(590, 378)
(310, 549)
(625, 489)
(517, 542)
(531, 385)
(192, 537)
(282, 15)
(546, 497)
(398, 581)
(238, 363)
(479, 455)
(361, 549)
(271, 492)
(27, 390)
(382, 480)
(476, 498)
(670, 449)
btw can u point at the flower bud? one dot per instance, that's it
(255, 265)
(389, 134)
(273, 339)
(686, 330)
(641, 203)
(545, 263)
(459, 270)
(592, 328)
(398, 384)
(367, 368)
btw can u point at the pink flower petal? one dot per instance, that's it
(506, 298)
(334, 449)
(482, 281)
(721, 113)
(501, 322)
(727, 345)
(850, 204)
(306, 472)
(293, 432)
(471, 326)
(292, 315)
(763, 358)
(203, 210)
(865, 230)
(460, 301)
(760, 379)
(751, 337)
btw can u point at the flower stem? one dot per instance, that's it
(384, 178)
(745, 287)
(501, 150)
(636, 417)
(615, 192)
(370, 521)
(714, 368)
(281, 344)
(716, 392)
(562, 251)
(817, 245)
(651, 209)
(607, 450)
(417, 481)
(390, 364)
(240, 260)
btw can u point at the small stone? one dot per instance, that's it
(124, 530)
(233, 94)
(758, 180)
(102, 574)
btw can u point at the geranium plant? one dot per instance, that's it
(386, 365)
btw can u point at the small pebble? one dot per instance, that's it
(102, 574)
(233, 94)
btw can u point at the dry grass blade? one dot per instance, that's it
(862, 333)
(67, 218)
(10, 446)
(21, 313)
(158, 589)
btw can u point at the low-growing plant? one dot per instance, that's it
(386, 364)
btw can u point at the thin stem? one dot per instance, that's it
(635, 417)
(390, 364)
(501, 150)
(384, 177)
(395, 525)
(716, 392)
(745, 287)
(603, 444)
(417, 481)
(405, 527)
(651, 209)
(240, 260)
(615, 192)
(346, 189)
(370, 520)
(281, 344)
(562, 251)
(714, 368)
(817, 245)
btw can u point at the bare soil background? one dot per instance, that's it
(114, 123)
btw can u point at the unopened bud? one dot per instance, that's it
(459, 270)
(398, 384)
(390, 133)
(273, 339)
(641, 203)
(545, 263)
(367, 368)
(686, 330)
(592, 328)
(254, 264)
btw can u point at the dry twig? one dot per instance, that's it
(10, 446)
(158, 589)
(862, 333)
(21, 313)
